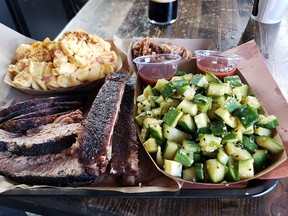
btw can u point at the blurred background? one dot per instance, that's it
(38, 19)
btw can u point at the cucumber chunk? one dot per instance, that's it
(209, 142)
(211, 78)
(188, 107)
(203, 102)
(199, 171)
(139, 118)
(246, 169)
(261, 159)
(189, 174)
(215, 89)
(181, 85)
(269, 122)
(230, 138)
(216, 170)
(189, 93)
(233, 80)
(199, 80)
(172, 117)
(261, 131)
(168, 90)
(174, 134)
(201, 120)
(247, 115)
(252, 101)
(148, 91)
(185, 157)
(249, 144)
(232, 173)
(191, 146)
(170, 150)
(270, 144)
(222, 156)
(173, 168)
(218, 128)
(237, 152)
(151, 145)
(149, 121)
(231, 104)
(160, 84)
(156, 131)
(226, 117)
(187, 123)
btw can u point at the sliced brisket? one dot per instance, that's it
(125, 144)
(20, 125)
(53, 169)
(94, 140)
(38, 103)
(4, 136)
(49, 138)
(37, 108)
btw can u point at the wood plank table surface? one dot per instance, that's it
(228, 24)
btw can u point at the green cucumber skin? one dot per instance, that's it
(191, 99)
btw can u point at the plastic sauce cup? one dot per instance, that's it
(218, 63)
(153, 67)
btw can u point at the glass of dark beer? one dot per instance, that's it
(162, 12)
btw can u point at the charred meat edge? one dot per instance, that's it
(39, 107)
(94, 144)
(59, 169)
(125, 144)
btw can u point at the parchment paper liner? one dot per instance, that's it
(82, 87)
(251, 56)
(150, 178)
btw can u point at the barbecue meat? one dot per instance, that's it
(5, 135)
(41, 109)
(49, 138)
(21, 125)
(125, 144)
(37, 104)
(93, 145)
(53, 169)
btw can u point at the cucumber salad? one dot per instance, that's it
(200, 128)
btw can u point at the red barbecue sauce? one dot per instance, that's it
(149, 74)
(205, 65)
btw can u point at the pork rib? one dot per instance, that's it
(125, 144)
(93, 145)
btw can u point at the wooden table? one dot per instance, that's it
(228, 24)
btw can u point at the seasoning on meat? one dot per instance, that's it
(94, 145)
(125, 144)
(59, 169)
(46, 139)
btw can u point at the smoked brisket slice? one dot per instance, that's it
(5, 135)
(38, 103)
(94, 143)
(125, 144)
(38, 108)
(51, 138)
(53, 169)
(46, 139)
(20, 125)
